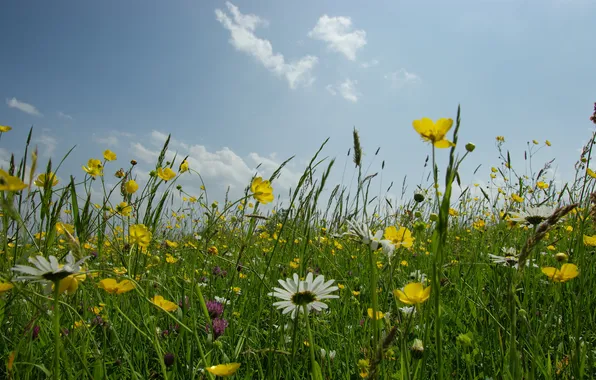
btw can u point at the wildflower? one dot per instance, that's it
(108, 155)
(5, 286)
(10, 183)
(364, 234)
(532, 215)
(223, 370)
(355, 293)
(590, 240)
(46, 178)
(542, 185)
(120, 173)
(183, 166)
(166, 305)
(380, 314)
(401, 237)
(131, 187)
(171, 259)
(434, 132)
(262, 190)
(219, 327)
(5, 128)
(113, 287)
(166, 174)
(417, 349)
(215, 309)
(48, 270)
(408, 311)
(168, 359)
(413, 294)
(500, 139)
(70, 284)
(363, 365)
(213, 250)
(139, 234)
(547, 143)
(562, 257)
(94, 167)
(324, 354)
(171, 244)
(517, 198)
(566, 273)
(124, 209)
(297, 293)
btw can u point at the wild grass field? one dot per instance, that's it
(335, 282)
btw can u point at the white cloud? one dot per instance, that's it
(49, 144)
(242, 29)
(62, 115)
(22, 106)
(371, 63)
(401, 78)
(111, 138)
(337, 32)
(347, 89)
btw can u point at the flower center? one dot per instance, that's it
(535, 219)
(303, 298)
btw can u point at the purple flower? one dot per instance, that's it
(168, 359)
(215, 309)
(219, 327)
(35, 332)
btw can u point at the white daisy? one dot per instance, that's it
(48, 269)
(532, 215)
(364, 234)
(510, 258)
(296, 293)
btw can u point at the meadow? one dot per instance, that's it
(336, 282)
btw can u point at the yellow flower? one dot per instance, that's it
(566, 273)
(401, 237)
(139, 234)
(10, 183)
(380, 314)
(591, 173)
(356, 293)
(62, 227)
(5, 286)
(171, 244)
(108, 155)
(542, 185)
(44, 178)
(224, 370)
(517, 198)
(547, 143)
(414, 293)
(434, 132)
(94, 167)
(131, 187)
(501, 139)
(183, 166)
(5, 128)
(166, 174)
(70, 284)
(113, 287)
(124, 209)
(159, 301)
(262, 190)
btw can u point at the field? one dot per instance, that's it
(334, 283)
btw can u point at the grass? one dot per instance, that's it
(483, 320)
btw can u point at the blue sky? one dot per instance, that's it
(241, 83)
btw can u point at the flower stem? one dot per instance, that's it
(315, 369)
(375, 302)
(55, 375)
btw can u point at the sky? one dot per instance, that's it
(243, 83)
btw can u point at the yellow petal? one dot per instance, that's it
(402, 297)
(444, 125)
(441, 144)
(549, 271)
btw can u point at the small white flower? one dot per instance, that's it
(296, 293)
(48, 269)
(222, 300)
(408, 311)
(364, 234)
(532, 215)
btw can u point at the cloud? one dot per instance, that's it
(62, 115)
(242, 37)
(347, 89)
(49, 144)
(22, 106)
(337, 32)
(401, 78)
(371, 63)
(111, 139)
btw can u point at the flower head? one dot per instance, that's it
(532, 215)
(48, 269)
(166, 305)
(262, 190)
(94, 167)
(139, 234)
(108, 155)
(112, 286)
(401, 237)
(10, 183)
(224, 370)
(412, 294)
(5, 128)
(166, 174)
(183, 166)
(434, 132)
(566, 273)
(296, 293)
(46, 178)
(131, 187)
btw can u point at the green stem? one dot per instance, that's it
(375, 302)
(311, 344)
(55, 375)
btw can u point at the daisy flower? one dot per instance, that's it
(48, 269)
(532, 215)
(296, 293)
